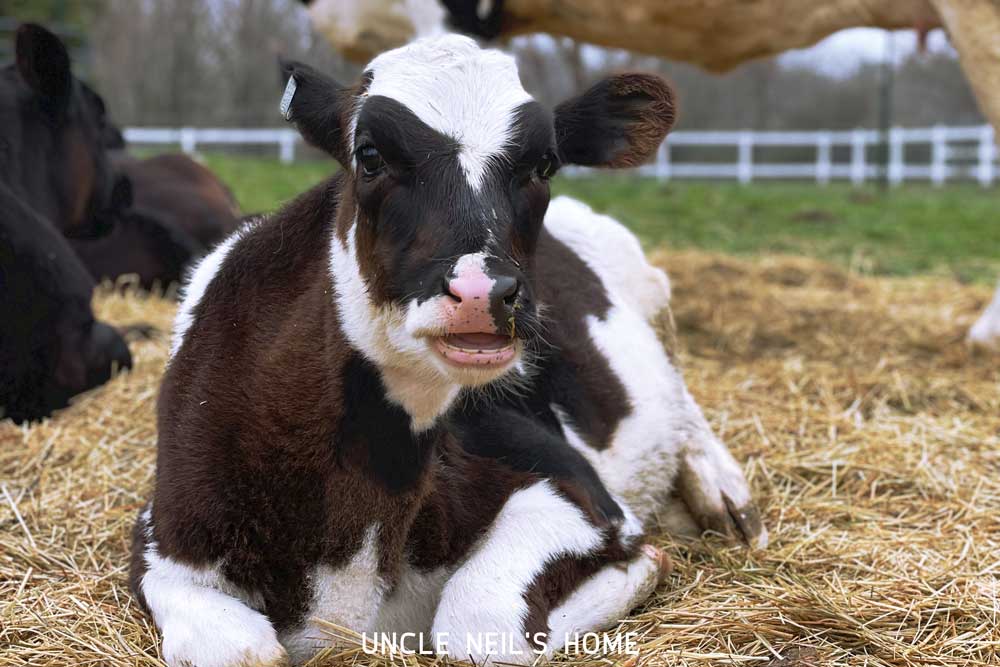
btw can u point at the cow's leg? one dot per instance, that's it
(605, 598)
(711, 492)
(986, 330)
(205, 620)
(485, 614)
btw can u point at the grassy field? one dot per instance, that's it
(952, 231)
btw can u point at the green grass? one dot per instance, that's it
(910, 230)
(263, 184)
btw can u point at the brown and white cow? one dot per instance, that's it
(339, 430)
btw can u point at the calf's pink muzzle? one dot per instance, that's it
(472, 335)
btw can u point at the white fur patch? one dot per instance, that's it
(348, 596)
(411, 605)
(385, 336)
(485, 595)
(603, 600)
(641, 464)
(205, 620)
(459, 90)
(612, 252)
(986, 330)
(199, 279)
(200, 276)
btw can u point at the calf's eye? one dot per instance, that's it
(547, 166)
(369, 159)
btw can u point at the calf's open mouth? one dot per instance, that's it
(476, 349)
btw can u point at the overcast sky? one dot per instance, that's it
(842, 52)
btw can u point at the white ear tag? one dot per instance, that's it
(286, 99)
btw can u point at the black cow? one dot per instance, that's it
(51, 347)
(52, 135)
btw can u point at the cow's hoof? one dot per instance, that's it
(712, 496)
(663, 563)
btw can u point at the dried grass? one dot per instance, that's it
(871, 435)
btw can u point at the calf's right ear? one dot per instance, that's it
(43, 63)
(319, 107)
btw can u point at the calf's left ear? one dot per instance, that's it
(318, 106)
(43, 63)
(619, 122)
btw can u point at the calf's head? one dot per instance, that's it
(52, 136)
(447, 163)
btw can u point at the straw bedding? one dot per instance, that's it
(869, 431)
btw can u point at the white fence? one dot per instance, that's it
(953, 152)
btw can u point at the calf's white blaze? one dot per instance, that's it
(459, 90)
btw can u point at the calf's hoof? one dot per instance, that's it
(712, 496)
(664, 565)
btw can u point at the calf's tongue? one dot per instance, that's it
(478, 341)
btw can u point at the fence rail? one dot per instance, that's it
(955, 153)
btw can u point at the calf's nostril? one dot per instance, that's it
(506, 288)
(448, 292)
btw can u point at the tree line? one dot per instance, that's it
(214, 63)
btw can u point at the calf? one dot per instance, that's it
(52, 154)
(607, 385)
(182, 195)
(140, 244)
(318, 416)
(51, 347)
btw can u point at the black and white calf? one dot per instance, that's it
(334, 441)
(607, 385)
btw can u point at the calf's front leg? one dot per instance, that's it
(498, 604)
(205, 620)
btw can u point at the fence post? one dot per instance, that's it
(744, 169)
(663, 162)
(287, 143)
(986, 156)
(858, 167)
(823, 166)
(897, 167)
(939, 149)
(188, 140)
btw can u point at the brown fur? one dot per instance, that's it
(181, 194)
(652, 101)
